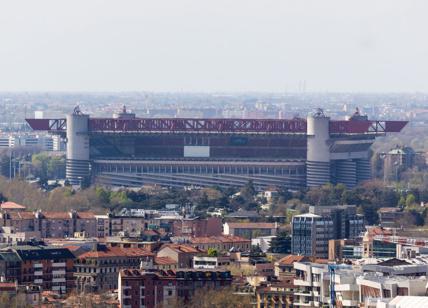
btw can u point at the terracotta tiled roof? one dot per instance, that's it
(11, 206)
(4, 286)
(290, 259)
(86, 215)
(182, 248)
(321, 261)
(252, 225)
(21, 215)
(116, 252)
(218, 239)
(164, 261)
(56, 215)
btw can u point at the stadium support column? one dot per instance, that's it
(77, 164)
(318, 153)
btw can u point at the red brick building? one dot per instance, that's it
(48, 267)
(181, 254)
(195, 227)
(139, 288)
(98, 270)
(221, 243)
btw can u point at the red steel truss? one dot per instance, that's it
(293, 126)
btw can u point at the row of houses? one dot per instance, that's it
(52, 224)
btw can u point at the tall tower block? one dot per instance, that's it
(318, 150)
(77, 164)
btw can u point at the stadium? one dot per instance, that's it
(294, 153)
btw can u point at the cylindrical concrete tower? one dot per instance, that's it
(318, 150)
(77, 165)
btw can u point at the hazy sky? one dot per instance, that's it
(197, 45)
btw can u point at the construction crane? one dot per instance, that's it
(331, 271)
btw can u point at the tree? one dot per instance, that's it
(281, 243)
(248, 191)
(212, 252)
(215, 298)
(410, 200)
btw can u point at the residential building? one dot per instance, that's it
(150, 289)
(50, 268)
(98, 270)
(50, 224)
(389, 216)
(103, 225)
(9, 236)
(397, 267)
(346, 291)
(284, 268)
(182, 254)
(398, 160)
(311, 290)
(275, 294)
(10, 266)
(11, 206)
(165, 263)
(250, 229)
(127, 225)
(210, 262)
(221, 243)
(310, 235)
(196, 227)
(373, 287)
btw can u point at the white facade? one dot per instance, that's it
(312, 287)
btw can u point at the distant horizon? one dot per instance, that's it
(208, 92)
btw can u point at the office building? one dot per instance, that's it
(310, 235)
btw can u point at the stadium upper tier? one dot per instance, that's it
(171, 125)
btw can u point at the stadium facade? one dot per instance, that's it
(129, 151)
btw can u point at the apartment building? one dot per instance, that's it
(221, 243)
(311, 289)
(48, 267)
(98, 270)
(210, 262)
(275, 294)
(346, 291)
(373, 287)
(10, 266)
(196, 227)
(50, 224)
(128, 225)
(182, 254)
(284, 268)
(150, 289)
(250, 230)
(9, 236)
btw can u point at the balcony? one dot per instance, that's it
(38, 281)
(38, 273)
(58, 272)
(349, 303)
(304, 304)
(37, 265)
(58, 280)
(346, 287)
(299, 282)
(58, 264)
(307, 293)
